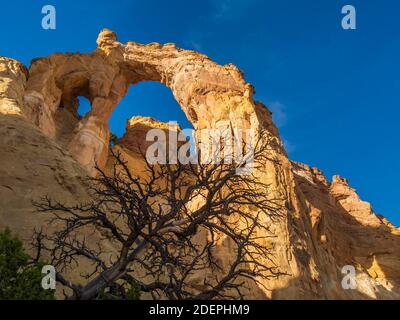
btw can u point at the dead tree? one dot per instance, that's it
(167, 227)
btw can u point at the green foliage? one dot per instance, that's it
(113, 139)
(19, 280)
(126, 291)
(133, 293)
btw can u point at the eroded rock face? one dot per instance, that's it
(137, 129)
(325, 224)
(13, 75)
(345, 231)
(206, 91)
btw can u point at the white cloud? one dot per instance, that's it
(289, 147)
(279, 115)
(230, 9)
(196, 45)
(222, 9)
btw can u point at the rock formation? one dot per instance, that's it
(47, 148)
(13, 75)
(207, 92)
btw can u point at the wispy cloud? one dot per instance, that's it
(289, 147)
(218, 11)
(230, 9)
(279, 115)
(222, 9)
(195, 45)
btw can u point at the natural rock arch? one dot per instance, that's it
(207, 92)
(326, 225)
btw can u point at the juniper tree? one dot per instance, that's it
(167, 226)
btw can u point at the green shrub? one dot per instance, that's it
(113, 139)
(127, 291)
(19, 280)
(133, 292)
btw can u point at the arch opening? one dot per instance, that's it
(147, 99)
(83, 107)
(67, 117)
(208, 93)
(147, 105)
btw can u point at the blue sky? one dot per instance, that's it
(334, 92)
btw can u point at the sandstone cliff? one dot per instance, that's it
(48, 149)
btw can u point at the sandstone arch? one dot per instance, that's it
(207, 92)
(325, 226)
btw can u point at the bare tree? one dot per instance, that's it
(167, 227)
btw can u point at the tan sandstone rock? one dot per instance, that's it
(13, 75)
(325, 224)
